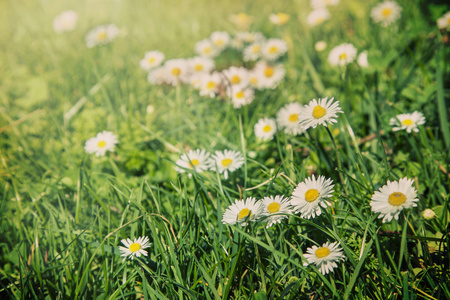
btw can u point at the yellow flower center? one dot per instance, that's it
(211, 85)
(273, 207)
(176, 71)
(343, 56)
(268, 72)
(219, 42)
(448, 21)
(198, 67)
(101, 36)
(283, 18)
(407, 122)
(320, 21)
(135, 247)
(240, 94)
(194, 162)
(311, 195)
(235, 79)
(253, 80)
(256, 48)
(243, 213)
(151, 60)
(101, 144)
(322, 252)
(386, 12)
(207, 50)
(319, 112)
(293, 118)
(267, 128)
(226, 162)
(273, 49)
(396, 199)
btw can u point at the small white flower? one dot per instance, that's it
(342, 55)
(65, 21)
(265, 129)
(250, 37)
(287, 118)
(104, 141)
(386, 13)
(252, 52)
(428, 214)
(393, 197)
(273, 49)
(240, 95)
(176, 71)
(316, 4)
(236, 75)
(200, 65)
(320, 46)
(444, 21)
(101, 35)
(275, 209)
(279, 18)
(226, 161)
(362, 60)
(151, 60)
(312, 194)
(206, 48)
(267, 75)
(242, 20)
(220, 39)
(317, 17)
(322, 112)
(209, 84)
(134, 248)
(157, 76)
(197, 160)
(242, 211)
(408, 122)
(325, 258)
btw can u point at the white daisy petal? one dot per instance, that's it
(386, 13)
(134, 248)
(265, 129)
(326, 257)
(275, 209)
(226, 161)
(104, 141)
(197, 160)
(320, 112)
(242, 211)
(408, 122)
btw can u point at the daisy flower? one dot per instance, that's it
(323, 3)
(252, 52)
(265, 129)
(205, 48)
(342, 55)
(226, 161)
(102, 142)
(198, 65)
(392, 198)
(267, 75)
(320, 46)
(195, 160)
(317, 17)
(287, 118)
(362, 60)
(242, 20)
(151, 60)
(157, 76)
(242, 211)
(273, 49)
(275, 209)
(240, 95)
(250, 37)
(236, 75)
(325, 258)
(134, 248)
(177, 71)
(209, 84)
(220, 39)
(322, 112)
(444, 21)
(101, 35)
(386, 13)
(408, 122)
(65, 21)
(312, 194)
(279, 18)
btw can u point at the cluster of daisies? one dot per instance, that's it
(236, 82)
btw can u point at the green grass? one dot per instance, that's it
(64, 212)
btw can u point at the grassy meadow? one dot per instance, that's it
(64, 211)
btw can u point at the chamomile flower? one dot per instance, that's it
(242, 211)
(311, 196)
(102, 142)
(134, 248)
(209, 84)
(342, 55)
(252, 52)
(157, 76)
(325, 258)
(386, 13)
(317, 17)
(323, 3)
(236, 75)
(226, 161)
(268, 75)
(220, 39)
(408, 122)
(444, 21)
(287, 118)
(242, 20)
(272, 49)
(151, 60)
(101, 35)
(197, 160)
(205, 48)
(393, 197)
(362, 60)
(275, 209)
(240, 95)
(247, 37)
(322, 112)
(65, 21)
(265, 129)
(279, 18)
(176, 71)
(199, 65)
